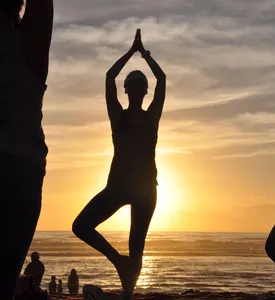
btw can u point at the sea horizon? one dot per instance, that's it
(184, 231)
(172, 262)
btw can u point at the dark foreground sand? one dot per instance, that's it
(189, 294)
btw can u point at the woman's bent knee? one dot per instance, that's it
(78, 228)
(81, 226)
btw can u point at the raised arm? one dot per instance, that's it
(156, 107)
(113, 106)
(37, 24)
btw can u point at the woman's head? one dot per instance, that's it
(53, 278)
(73, 271)
(136, 85)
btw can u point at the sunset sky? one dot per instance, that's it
(216, 147)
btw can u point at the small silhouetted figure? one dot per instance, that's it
(60, 287)
(73, 282)
(133, 175)
(35, 268)
(270, 244)
(24, 57)
(53, 286)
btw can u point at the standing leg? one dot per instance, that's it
(270, 244)
(21, 189)
(98, 210)
(141, 214)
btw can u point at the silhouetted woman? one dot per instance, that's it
(270, 244)
(73, 282)
(133, 175)
(24, 55)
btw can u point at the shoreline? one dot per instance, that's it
(188, 294)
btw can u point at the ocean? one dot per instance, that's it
(173, 261)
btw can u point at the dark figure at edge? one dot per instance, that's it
(270, 244)
(24, 56)
(133, 176)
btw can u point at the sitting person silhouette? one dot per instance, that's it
(270, 244)
(35, 268)
(133, 176)
(27, 290)
(52, 286)
(60, 287)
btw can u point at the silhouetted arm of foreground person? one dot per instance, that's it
(156, 107)
(113, 106)
(37, 24)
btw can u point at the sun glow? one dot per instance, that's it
(171, 197)
(171, 190)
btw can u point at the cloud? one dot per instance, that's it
(218, 57)
(74, 118)
(252, 104)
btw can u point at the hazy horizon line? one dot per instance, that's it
(175, 231)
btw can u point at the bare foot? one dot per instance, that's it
(127, 295)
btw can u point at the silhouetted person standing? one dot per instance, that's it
(35, 268)
(24, 55)
(73, 282)
(270, 244)
(133, 175)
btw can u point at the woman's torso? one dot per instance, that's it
(133, 164)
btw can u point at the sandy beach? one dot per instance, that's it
(189, 294)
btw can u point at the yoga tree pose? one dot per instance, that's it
(133, 175)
